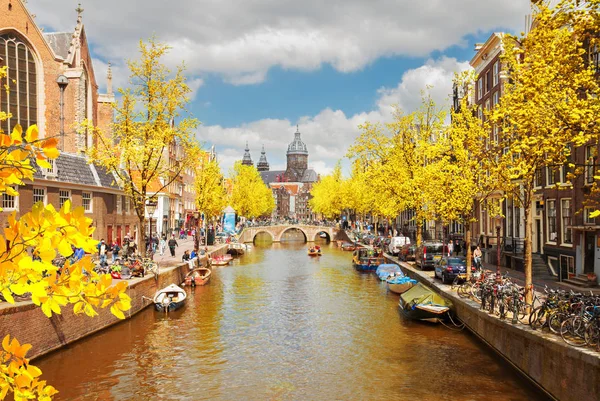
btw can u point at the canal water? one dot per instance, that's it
(279, 325)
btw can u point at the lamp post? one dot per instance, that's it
(498, 273)
(197, 230)
(62, 82)
(151, 205)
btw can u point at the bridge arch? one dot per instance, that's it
(327, 237)
(270, 234)
(306, 236)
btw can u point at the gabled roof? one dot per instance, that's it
(75, 169)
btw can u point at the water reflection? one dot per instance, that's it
(278, 325)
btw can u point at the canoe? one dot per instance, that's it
(400, 284)
(386, 270)
(314, 252)
(197, 277)
(421, 303)
(169, 298)
(219, 261)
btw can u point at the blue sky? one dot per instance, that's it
(257, 68)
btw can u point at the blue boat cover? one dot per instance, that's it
(385, 270)
(401, 280)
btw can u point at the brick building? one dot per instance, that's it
(55, 87)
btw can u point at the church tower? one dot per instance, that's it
(297, 159)
(247, 160)
(263, 164)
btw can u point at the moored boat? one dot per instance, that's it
(366, 259)
(388, 269)
(348, 246)
(421, 303)
(236, 249)
(400, 284)
(169, 298)
(197, 277)
(221, 260)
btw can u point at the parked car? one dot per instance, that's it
(447, 268)
(407, 252)
(396, 243)
(428, 253)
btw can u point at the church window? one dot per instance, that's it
(21, 99)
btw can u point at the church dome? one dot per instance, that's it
(297, 147)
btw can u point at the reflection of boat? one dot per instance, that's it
(348, 246)
(316, 251)
(400, 284)
(236, 249)
(421, 303)
(199, 276)
(366, 259)
(388, 269)
(169, 298)
(323, 235)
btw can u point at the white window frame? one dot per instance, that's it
(549, 239)
(496, 73)
(586, 216)
(14, 199)
(590, 169)
(479, 88)
(127, 205)
(572, 260)
(119, 202)
(44, 196)
(50, 172)
(61, 193)
(563, 226)
(550, 174)
(91, 203)
(496, 98)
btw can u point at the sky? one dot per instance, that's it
(258, 68)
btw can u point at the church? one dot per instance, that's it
(291, 187)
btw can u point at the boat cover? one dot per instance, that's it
(387, 269)
(421, 296)
(401, 280)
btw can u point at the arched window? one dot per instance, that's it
(21, 99)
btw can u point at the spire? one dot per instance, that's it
(263, 164)
(109, 80)
(247, 160)
(79, 11)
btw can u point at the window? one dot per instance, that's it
(86, 201)
(39, 195)
(50, 171)
(567, 263)
(566, 221)
(488, 81)
(63, 196)
(479, 89)
(480, 113)
(589, 164)
(509, 218)
(517, 222)
(496, 98)
(539, 177)
(586, 216)
(127, 205)
(551, 173)
(21, 98)
(9, 202)
(551, 219)
(119, 204)
(496, 73)
(565, 169)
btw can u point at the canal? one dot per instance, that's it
(278, 325)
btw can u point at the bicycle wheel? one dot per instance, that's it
(464, 291)
(592, 333)
(572, 331)
(537, 318)
(476, 291)
(554, 320)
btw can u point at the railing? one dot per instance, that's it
(513, 245)
(291, 223)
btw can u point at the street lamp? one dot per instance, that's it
(498, 227)
(197, 230)
(151, 205)
(62, 82)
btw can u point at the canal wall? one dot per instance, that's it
(563, 372)
(26, 321)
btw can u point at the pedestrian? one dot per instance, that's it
(102, 249)
(162, 245)
(457, 247)
(115, 250)
(172, 244)
(125, 247)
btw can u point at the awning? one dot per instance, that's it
(584, 228)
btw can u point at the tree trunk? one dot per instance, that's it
(527, 251)
(468, 245)
(419, 234)
(141, 243)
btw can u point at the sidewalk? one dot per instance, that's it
(167, 260)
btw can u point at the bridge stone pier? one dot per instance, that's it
(277, 232)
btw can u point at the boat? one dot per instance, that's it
(315, 251)
(421, 303)
(236, 249)
(348, 246)
(400, 284)
(197, 277)
(169, 298)
(366, 259)
(221, 260)
(388, 269)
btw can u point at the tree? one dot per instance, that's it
(146, 149)
(550, 102)
(43, 231)
(211, 197)
(328, 194)
(250, 196)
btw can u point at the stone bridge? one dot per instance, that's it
(276, 232)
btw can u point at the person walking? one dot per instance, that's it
(172, 244)
(102, 249)
(115, 250)
(162, 245)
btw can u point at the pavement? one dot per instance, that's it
(167, 260)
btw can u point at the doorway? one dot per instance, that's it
(537, 243)
(590, 248)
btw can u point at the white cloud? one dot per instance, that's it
(329, 133)
(242, 40)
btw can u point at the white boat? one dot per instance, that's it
(169, 298)
(236, 249)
